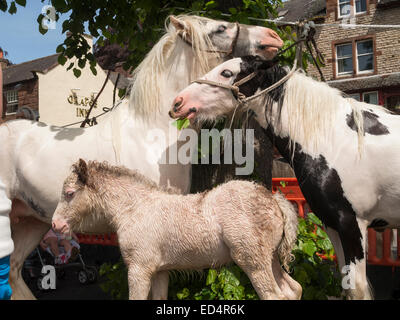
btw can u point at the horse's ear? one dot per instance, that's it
(178, 24)
(81, 170)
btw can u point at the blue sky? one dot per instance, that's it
(20, 36)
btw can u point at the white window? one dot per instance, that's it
(12, 102)
(355, 96)
(371, 97)
(344, 54)
(365, 56)
(361, 6)
(363, 59)
(349, 7)
(344, 8)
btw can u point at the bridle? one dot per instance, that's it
(228, 53)
(307, 37)
(239, 96)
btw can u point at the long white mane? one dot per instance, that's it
(311, 110)
(145, 90)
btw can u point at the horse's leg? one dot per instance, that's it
(139, 281)
(362, 290)
(290, 287)
(354, 280)
(26, 234)
(159, 286)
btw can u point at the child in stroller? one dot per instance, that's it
(61, 247)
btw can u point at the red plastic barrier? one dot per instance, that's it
(386, 258)
(103, 239)
(290, 188)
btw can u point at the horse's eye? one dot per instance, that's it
(227, 73)
(69, 195)
(221, 29)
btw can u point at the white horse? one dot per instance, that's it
(345, 153)
(35, 158)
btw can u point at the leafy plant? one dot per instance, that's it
(115, 281)
(134, 24)
(314, 267)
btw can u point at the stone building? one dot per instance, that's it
(364, 62)
(43, 89)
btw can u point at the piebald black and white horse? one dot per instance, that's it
(345, 153)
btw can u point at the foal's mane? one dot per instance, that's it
(104, 169)
(147, 77)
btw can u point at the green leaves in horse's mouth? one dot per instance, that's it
(181, 123)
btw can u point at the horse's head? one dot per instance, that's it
(206, 101)
(231, 39)
(76, 201)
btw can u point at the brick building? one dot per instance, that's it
(43, 89)
(363, 62)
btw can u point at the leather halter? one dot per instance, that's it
(240, 97)
(229, 53)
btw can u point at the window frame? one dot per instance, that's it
(369, 92)
(352, 95)
(352, 9)
(346, 57)
(12, 103)
(355, 73)
(364, 54)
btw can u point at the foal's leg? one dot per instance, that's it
(159, 286)
(139, 280)
(26, 234)
(256, 262)
(290, 287)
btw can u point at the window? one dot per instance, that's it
(361, 6)
(355, 57)
(371, 97)
(12, 101)
(355, 96)
(344, 54)
(349, 7)
(344, 7)
(365, 56)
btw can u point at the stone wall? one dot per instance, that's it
(386, 41)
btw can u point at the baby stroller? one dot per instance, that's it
(33, 266)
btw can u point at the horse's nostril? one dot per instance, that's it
(178, 104)
(262, 46)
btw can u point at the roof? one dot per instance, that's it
(376, 81)
(388, 2)
(295, 10)
(25, 71)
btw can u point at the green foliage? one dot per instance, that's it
(137, 24)
(227, 283)
(318, 277)
(116, 280)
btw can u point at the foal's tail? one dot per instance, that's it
(289, 230)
